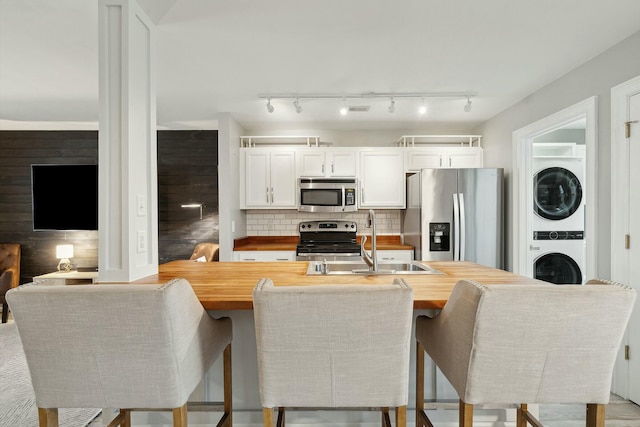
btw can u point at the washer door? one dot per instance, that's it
(557, 193)
(557, 268)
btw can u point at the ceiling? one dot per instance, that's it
(220, 55)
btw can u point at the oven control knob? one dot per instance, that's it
(303, 226)
(353, 226)
(346, 226)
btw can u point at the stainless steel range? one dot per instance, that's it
(330, 240)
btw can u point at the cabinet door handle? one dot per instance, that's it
(267, 194)
(248, 259)
(362, 195)
(282, 259)
(388, 258)
(449, 161)
(323, 169)
(332, 170)
(440, 160)
(271, 194)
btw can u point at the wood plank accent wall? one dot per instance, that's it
(18, 151)
(187, 173)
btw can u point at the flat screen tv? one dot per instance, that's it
(64, 197)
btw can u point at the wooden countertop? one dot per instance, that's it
(229, 285)
(289, 243)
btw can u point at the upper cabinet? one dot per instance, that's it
(443, 157)
(382, 178)
(269, 173)
(269, 178)
(327, 162)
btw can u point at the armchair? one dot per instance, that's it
(9, 273)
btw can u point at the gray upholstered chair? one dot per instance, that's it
(526, 344)
(210, 251)
(9, 273)
(333, 346)
(119, 346)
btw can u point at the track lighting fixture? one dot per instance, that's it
(467, 107)
(344, 110)
(422, 110)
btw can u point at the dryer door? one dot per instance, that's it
(557, 193)
(557, 268)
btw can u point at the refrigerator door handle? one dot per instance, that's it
(456, 228)
(463, 228)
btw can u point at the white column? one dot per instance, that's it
(128, 218)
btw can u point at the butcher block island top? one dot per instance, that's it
(229, 285)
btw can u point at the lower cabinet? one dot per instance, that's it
(395, 256)
(262, 256)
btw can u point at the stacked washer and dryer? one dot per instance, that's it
(558, 251)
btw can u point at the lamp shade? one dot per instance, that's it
(64, 251)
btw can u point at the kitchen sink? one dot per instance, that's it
(350, 267)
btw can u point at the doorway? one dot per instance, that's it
(625, 223)
(554, 196)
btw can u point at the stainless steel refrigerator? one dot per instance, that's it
(456, 214)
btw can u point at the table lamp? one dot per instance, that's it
(64, 252)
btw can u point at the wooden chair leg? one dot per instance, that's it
(48, 417)
(267, 417)
(226, 356)
(126, 418)
(180, 416)
(521, 420)
(281, 414)
(595, 415)
(5, 312)
(401, 416)
(386, 421)
(466, 414)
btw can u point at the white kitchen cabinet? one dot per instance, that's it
(395, 256)
(329, 162)
(382, 179)
(443, 157)
(264, 256)
(269, 178)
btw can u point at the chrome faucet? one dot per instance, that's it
(370, 260)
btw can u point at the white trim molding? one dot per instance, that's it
(522, 141)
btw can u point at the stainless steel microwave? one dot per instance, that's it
(327, 194)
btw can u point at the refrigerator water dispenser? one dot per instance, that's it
(439, 236)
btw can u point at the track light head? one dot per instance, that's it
(392, 105)
(467, 107)
(422, 110)
(344, 110)
(296, 104)
(269, 106)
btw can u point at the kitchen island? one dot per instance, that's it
(229, 285)
(225, 289)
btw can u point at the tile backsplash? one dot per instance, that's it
(284, 222)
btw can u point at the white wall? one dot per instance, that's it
(232, 219)
(596, 77)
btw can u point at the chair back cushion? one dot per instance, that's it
(115, 345)
(333, 346)
(530, 343)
